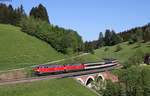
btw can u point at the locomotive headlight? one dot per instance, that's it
(36, 69)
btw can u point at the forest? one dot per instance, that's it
(110, 37)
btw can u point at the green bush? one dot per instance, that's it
(131, 42)
(118, 48)
(106, 49)
(137, 58)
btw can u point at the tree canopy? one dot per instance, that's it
(40, 12)
(63, 40)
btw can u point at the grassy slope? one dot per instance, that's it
(82, 59)
(18, 49)
(124, 54)
(58, 87)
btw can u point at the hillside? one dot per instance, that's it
(19, 49)
(58, 87)
(125, 53)
(82, 59)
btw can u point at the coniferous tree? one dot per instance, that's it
(40, 12)
(88, 47)
(9, 15)
(108, 38)
(139, 34)
(147, 34)
(115, 38)
(101, 40)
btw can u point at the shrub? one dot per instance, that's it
(118, 48)
(136, 59)
(131, 42)
(106, 49)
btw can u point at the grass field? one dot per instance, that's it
(18, 49)
(125, 53)
(55, 87)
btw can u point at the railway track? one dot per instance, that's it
(56, 76)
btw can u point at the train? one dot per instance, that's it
(61, 68)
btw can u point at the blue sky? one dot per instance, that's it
(89, 17)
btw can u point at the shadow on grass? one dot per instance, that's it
(148, 46)
(136, 47)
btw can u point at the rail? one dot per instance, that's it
(56, 76)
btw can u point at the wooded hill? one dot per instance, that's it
(63, 40)
(110, 37)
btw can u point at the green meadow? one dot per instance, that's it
(126, 51)
(17, 49)
(55, 87)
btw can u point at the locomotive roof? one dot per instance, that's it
(73, 64)
(51, 65)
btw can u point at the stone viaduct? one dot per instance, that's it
(87, 79)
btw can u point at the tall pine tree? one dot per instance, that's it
(101, 40)
(108, 38)
(40, 12)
